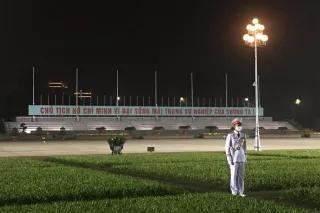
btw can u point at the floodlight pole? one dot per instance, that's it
(192, 96)
(226, 90)
(155, 89)
(33, 85)
(117, 95)
(257, 145)
(255, 38)
(77, 89)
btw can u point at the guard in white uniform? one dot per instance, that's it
(236, 151)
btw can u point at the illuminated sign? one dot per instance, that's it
(57, 110)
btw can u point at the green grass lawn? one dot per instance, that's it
(276, 181)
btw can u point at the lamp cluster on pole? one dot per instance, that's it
(255, 35)
(255, 38)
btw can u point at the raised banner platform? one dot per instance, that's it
(60, 110)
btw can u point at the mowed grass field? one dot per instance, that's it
(276, 181)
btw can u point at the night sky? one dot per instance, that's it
(173, 37)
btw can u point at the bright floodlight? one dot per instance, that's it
(255, 36)
(261, 27)
(264, 38)
(259, 36)
(297, 101)
(251, 39)
(181, 99)
(118, 98)
(246, 99)
(246, 37)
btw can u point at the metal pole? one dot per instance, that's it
(117, 94)
(77, 91)
(257, 145)
(192, 96)
(259, 86)
(33, 85)
(226, 90)
(33, 117)
(155, 89)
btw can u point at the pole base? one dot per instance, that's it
(257, 144)
(256, 148)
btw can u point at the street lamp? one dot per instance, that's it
(255, 38)
(297, 102)
(246, 101)
(181, 100)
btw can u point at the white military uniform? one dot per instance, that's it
(236, 151)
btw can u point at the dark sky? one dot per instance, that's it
(173, 37)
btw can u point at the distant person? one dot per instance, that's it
(236, 151)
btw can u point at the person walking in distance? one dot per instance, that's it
(236, 151)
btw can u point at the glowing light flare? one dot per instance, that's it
(251, 28)
(259, 36)
(260, 27)
(251, 39)
(246, 37)
(264, 38)
(255, 21)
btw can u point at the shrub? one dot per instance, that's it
(184, 127)
(282, 128)
(212, 128)
(158, 128)
(101, 129)
(23, 127)
(140, 137)
(116, 140)
(116, 143)
(130, 128)
(306, 133)
(38, 131)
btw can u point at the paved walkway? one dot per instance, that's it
(140, 146)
